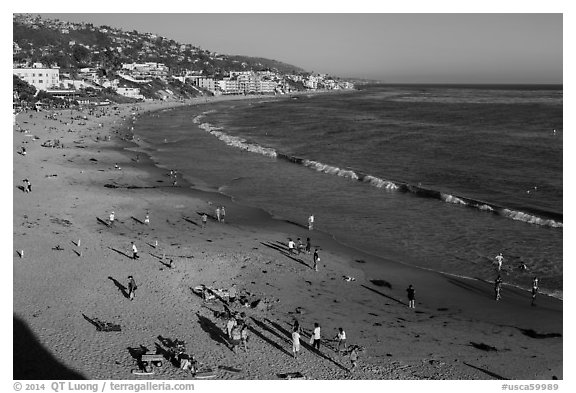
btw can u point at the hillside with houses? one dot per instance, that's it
(82, 63)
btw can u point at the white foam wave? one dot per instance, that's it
(485, 208)
(452, 199)
(237, 142)
(380, 183)
(529, 218)
(329, 169)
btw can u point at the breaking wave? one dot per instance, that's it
(543, 218)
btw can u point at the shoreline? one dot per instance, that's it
(222, 247)
(408, 261)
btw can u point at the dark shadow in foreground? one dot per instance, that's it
(32, 360)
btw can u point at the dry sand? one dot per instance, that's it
(457, 330)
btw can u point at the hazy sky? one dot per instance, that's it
(397, 48)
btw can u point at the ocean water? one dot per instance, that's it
(442, 177)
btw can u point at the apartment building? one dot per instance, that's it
(40, 77)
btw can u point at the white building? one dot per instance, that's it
(131, 92)
(148, 69)
(206, 83)
(40, 77)
(228, 86)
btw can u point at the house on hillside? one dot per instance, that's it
(42, 78)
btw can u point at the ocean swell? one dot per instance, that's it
(389, 185)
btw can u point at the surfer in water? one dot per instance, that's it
(534, 290)
(499, 259)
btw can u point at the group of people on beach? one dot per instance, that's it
(237, 331)
(299, 247)
(316, 338)
(220, 213)
(498, 262)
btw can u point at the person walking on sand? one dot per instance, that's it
(499, 260)
(497, 287)
(131, 287)
(112, 217)
(341, 337)
(411, 296)
(147, 219)
(534, 290)
(134, 251)
(316, 336)
(316, 259)
(308, 245)
(218, 213)
(222, 213)
(311, 222)
(204, 220)
(296, 341)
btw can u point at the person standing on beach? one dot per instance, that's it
(230, 325)
(295, 341)
(354, 357)
(235, 337)
(316, 259)
(311, 222)
(291, 246)
(232, 294)
(534, 290)
(244, 336)
(112, 217)
(316, 336)
(134, 251)
(296, 326)
(27, 185)
(222, 213)
(147, 219)
(341, 337)
(218, 213)
(300, 246)
(411, 296)
(131, 287)
(308, 245)
(499, 259)
(497, 287)
(204, 220)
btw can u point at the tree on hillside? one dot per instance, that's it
(81, 55)
(25, 91)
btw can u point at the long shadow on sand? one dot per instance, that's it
(382, 294)
(190, 221)
(305, 345)
(121, 252)
(470, 287)
(212, 329)
(32, 361)
(120, 287)
(493, 375)
(286, 253)
(267, 340)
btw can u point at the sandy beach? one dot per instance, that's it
(70, 270)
